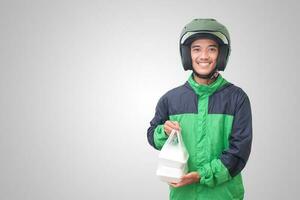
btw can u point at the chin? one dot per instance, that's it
(203, 72)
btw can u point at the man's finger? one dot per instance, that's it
(175, 184)
(170, 125)
(187, 176)
(172, 184)
(183, 178)
(168, 130)
(176, 124)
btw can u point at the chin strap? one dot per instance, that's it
(212, 75)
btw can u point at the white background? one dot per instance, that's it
(79, 82)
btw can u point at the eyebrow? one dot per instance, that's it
(194, 46)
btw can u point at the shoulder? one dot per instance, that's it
(176, 92)
(238, 97)
(234, 91)
(181, 99)
(228, 99)
(177, 95)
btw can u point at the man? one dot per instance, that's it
(214, 117)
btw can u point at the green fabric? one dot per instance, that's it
(160, 136)
(206, 90)
(205, 137)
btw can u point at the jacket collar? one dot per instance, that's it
(202, 89)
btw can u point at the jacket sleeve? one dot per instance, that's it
(156, 134)
(233, 159)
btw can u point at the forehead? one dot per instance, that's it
(204, 42)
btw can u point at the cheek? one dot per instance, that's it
(215, 58)
(193, 58)
(195, 55)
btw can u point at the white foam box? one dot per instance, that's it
(172, 157)
(170, 174)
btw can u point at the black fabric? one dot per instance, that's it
(161, 115)
(236, 156)
(224, 100)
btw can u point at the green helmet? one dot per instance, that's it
(204, 28)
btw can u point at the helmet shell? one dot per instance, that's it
(209, 29)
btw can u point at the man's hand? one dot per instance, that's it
(170, 125)
(187, 179)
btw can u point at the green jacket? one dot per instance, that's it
(216, 127)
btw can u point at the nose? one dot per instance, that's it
(203, 56)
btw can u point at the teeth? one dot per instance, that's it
(203, 64)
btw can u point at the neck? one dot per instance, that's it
(203, 81)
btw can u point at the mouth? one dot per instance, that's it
(204, 64)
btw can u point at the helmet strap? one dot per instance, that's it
(212, 75)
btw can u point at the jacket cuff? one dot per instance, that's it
(160, 136)
(213, 173)
(202, 171)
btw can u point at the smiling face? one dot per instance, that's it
(204, 53)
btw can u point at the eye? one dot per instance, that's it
(212, 49)
(196, 49)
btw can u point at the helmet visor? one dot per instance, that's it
(186, 38)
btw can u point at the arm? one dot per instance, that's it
(156, 135)
(233, 159)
